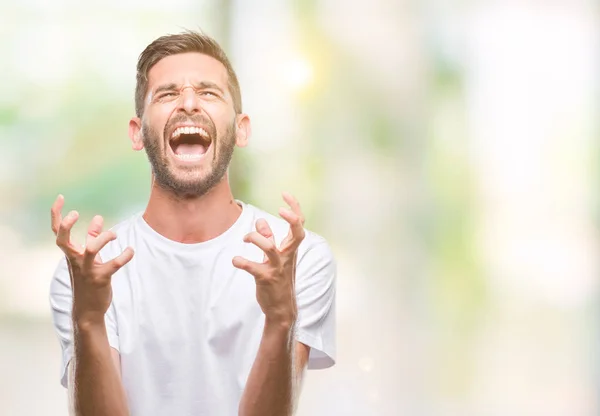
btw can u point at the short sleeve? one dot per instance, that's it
(315, 295)
(61, 303)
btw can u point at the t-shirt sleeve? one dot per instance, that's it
(61, 303)
(315, 296)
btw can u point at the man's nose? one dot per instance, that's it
(189, 100)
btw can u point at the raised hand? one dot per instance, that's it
(90, 276)
(275, 276)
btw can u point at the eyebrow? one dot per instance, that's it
(199, 86)
(165, 87)
(205, 85)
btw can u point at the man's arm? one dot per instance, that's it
(273, 388)
(101, 378)
(270, 388)
(301, 361)
(95, 381)
(95, 386)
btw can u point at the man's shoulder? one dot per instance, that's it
(126, 224)
(125, 231)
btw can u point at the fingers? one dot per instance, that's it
(95, 245)
(55, 213)
(63, 236)
(95, 240)
(294, 205)
(121, 260)
(263, 228)
(265, 244)
(244, 264)
(94, 229)
(295, 218)
(296, 234)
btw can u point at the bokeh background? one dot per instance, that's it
(448, 150)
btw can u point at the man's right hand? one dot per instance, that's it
(90, 276)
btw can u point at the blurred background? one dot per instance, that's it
(447, 150)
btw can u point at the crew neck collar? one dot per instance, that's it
(218, 240)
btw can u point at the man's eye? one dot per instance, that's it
(167, 95)
(208, 93)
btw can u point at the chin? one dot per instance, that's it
(189, 183)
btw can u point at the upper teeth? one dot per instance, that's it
(189, 130)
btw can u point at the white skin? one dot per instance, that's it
(190, 202)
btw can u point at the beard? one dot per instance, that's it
(193, 181)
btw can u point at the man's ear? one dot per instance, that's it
(243, 130)
(135, 133)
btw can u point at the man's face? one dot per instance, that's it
(189, 123)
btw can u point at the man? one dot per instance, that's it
(181, 328)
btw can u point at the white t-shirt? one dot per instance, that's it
(187, 323)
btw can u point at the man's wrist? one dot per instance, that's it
(279, 327)
(88, 323)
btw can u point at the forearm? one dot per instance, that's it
(270, 387)
(97, 385)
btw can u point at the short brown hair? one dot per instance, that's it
(188, 41)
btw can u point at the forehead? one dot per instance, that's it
(190, 67)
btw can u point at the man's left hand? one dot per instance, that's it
(275, 276)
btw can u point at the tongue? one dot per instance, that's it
(190, 149)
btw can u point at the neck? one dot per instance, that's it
(194, 219)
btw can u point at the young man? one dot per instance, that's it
(181, 327)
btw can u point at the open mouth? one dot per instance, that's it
(189, 142)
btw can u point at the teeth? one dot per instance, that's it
(189, 130)
(189, 157)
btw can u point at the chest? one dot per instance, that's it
(184, 304)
